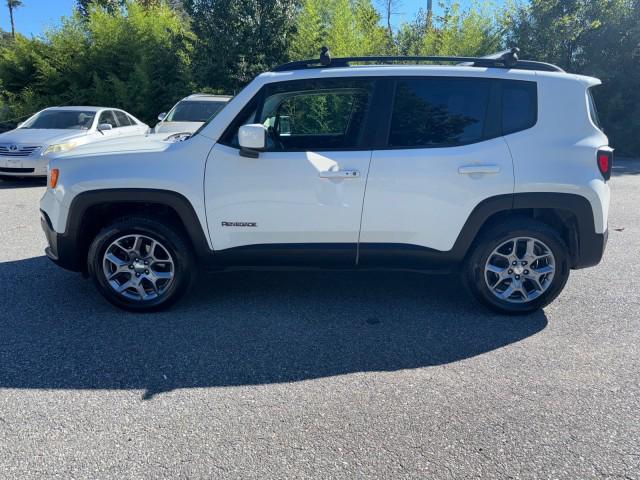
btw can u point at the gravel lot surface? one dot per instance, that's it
(327, 375)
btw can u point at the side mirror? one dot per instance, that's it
(105, 127)
(162, 116)
(252, 139)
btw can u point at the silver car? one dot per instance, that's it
(24, 151)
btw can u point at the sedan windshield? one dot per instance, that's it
(190, 111)
(62, 119)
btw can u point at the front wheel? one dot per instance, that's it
(140, 264)
(517, 267)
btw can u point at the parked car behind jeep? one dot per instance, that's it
(25, 151)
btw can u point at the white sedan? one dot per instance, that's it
(190, 113)
(24, 151)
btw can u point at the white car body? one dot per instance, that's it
(24, 151)
(188, 124)
(359, 207)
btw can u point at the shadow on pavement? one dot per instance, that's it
(240, 328)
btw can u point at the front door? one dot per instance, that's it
(299, 202)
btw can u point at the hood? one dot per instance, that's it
(177, 127)
(148, 143)
(38, 136)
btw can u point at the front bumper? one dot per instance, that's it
(23, 167)
(61, 250)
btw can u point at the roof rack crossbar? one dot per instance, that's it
(506, 59)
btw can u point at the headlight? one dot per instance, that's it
(60, 147)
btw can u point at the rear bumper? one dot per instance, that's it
(592, 247)
(61, 250)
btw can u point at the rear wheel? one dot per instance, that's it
(517, 267)
(140, 264)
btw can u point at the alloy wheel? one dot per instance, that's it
(138, 267)
(520, 269)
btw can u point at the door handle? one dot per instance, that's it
(478, 169)
(340, 174)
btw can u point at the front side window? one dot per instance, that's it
(194, 111)
(61, 119)
(438, 112)
(315, 114)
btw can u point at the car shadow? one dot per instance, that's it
(8, 182)
(243, 328)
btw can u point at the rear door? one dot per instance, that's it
(438, 157)
(125, 126)
(299, 202)
(108, 117)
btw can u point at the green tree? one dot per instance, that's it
(593, 37)
(137, 58)
(347, 27)
(371, 36)
(470, 32)
(237, 40)
(84, 6)
(310, 33)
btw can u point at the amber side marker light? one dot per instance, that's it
(53, 177)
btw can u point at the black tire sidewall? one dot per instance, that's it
(174, 243)
(474, 271)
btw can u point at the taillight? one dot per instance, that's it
(605, 163)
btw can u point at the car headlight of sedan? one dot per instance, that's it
(60, 147)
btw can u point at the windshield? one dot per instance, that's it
(191, 111)
(61, 119)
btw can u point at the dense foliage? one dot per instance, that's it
(600, 38)
(142, 55)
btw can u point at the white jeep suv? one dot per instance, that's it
(496, 168)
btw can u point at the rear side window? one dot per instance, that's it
(519, 106)
(439, 112)
(123, 119)
(108, 117)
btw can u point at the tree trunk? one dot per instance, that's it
(13, 25)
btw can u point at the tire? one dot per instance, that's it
(166, 276)
(521, 288)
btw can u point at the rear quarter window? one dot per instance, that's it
(519, 106)
(593, 111)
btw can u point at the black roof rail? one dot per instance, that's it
(506, 59)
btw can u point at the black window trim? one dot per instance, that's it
(493, 115)
(377, 122)
(370, 120)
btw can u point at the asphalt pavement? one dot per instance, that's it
(318, 375)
